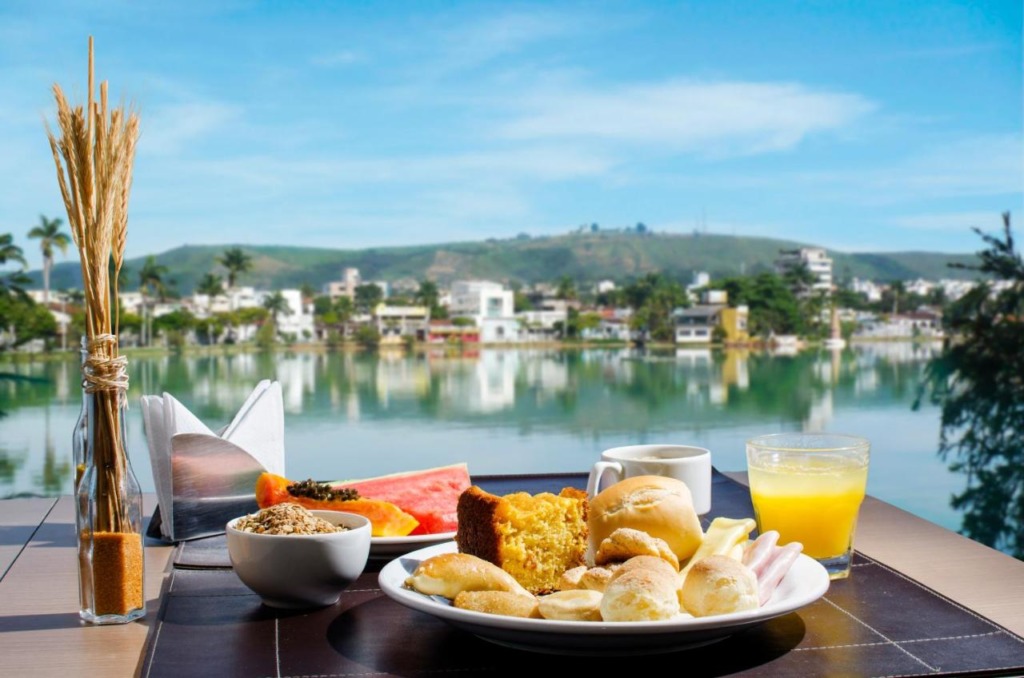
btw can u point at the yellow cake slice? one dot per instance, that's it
(535, 538)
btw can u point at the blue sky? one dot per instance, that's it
(859, 126)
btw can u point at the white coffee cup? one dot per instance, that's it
(692, 465)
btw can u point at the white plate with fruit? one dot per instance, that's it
(805, 582)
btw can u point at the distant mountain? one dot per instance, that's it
(586, 257)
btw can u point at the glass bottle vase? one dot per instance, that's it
(79, 436)
(109, 502)
(80, 461)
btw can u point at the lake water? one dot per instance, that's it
(505, 410)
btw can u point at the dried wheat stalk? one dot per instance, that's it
(94, 155)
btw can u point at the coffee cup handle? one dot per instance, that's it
(599, 471)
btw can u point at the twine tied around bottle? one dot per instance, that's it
(100, 371)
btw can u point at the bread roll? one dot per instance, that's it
(640, 594)
(570, 579)
(718, 585)
(503, 603)
(448, 574)
(625, 543)
(579, 605)
(597, 578)
(644, 563)
(661, 507)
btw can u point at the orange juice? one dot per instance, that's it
(814, 502)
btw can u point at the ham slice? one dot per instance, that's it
(769, 561)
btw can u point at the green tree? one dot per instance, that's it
(429, 296)
(12, 282)
(276, 305)
(894, 297)
(367, 297)
(175, 326)
(236, 262)
(211, 285)
(653, 299)
(266, 336)
(566, 288)
(587, 321)
(344, 308)
(28, 319)
(153, 282)
(367, 336)
(774, 308)
(977, 381)
(50, 237)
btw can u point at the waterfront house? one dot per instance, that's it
(546, 323)
(697, 324)
(923, 323)
(613, 326)
(395, 322)
(815, 260)
(489, 305)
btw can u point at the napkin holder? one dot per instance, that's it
(213, 481)
(206, 478)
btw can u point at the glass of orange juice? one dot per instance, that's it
(808, 487)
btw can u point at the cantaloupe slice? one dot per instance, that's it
(386, 519)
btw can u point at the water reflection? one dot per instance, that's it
(355, 414)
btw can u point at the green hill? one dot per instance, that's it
(585, 257)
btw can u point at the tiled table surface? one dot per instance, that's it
(40, 634)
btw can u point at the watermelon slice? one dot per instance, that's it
(431, 496)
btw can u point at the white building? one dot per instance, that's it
(346, 287)
(298, 319)
(920, 287)
(815, 259)
(871, 290)
(701, 279)
(922, 324)
(490, 306)
(395, 322)
(543, 323)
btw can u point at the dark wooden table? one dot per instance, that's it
(921, 601)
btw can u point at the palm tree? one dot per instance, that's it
(236, 262)
(566, 288)
(50, 236)
(211, 285)
(276, 304)
(11, 282)
(152, 280)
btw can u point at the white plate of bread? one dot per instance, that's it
(805, 582)
(629, 571)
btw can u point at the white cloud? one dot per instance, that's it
(478, 42)
(711, 118)
(169, 129)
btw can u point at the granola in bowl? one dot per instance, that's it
(286, 519)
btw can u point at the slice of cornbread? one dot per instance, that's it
(535, 538)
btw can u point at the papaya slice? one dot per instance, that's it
(386, 519)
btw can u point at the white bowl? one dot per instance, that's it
(307, 570)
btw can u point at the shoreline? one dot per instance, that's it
(19, 357)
